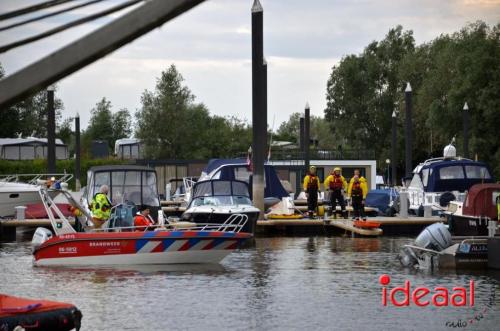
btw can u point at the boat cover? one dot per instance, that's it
(481, 201)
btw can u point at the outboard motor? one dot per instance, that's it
(435, 237)
(41, 235)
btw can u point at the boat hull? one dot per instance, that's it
(126, 248)
(9, 199)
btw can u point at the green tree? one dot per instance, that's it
(106, 125)
(364, 89)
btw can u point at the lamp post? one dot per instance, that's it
(388, 162)
(408, 131)
(466, 130)
(393, 147)
(307, 139)
(301, 134)
(51, 131)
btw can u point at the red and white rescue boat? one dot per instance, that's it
(167, 244)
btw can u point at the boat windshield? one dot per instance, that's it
(477, 172)
(220, 192)
(138, 187)
(452, 172)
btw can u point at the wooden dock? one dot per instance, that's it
(306, 226)
(8, 227)
(302, 226)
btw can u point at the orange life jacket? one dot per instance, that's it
(141, 222)
(356, 190)
(313, 182)
(336, 183)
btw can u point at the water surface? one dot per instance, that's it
(315, 283)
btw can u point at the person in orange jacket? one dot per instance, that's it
(337, 185)
(143, 219)
(312, 188)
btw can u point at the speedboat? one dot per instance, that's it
(14, 192)
(436, 248)
(214, 201)
(437, 182)
(239, 169)
(472, 217)
(118, 242)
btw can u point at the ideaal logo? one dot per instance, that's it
(423, 296)
(440, 297)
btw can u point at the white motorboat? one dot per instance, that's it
(214, 201)
(437, 182)
(15, 192)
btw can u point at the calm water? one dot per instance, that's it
(315, 283)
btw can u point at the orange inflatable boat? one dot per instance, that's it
(366, 224)
(37, 314)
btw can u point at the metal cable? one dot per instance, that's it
(86, 19)
(30, 9)
(41, 17)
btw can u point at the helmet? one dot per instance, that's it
(337, 169)
(312, 168)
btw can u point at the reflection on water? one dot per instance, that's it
(280, 283)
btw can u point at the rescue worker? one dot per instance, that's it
(357, 192)
(312, 188)
(498, 208)
(100, 207)
(143, 219)
(362, 180)
(337, 186)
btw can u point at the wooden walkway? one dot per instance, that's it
(391, 225)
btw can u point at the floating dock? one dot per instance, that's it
(306, 226)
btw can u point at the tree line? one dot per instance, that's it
(364, 89)
(362, 92)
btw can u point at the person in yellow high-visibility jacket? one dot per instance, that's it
(312, 188)
(337, 186)
(100, 207)
(357, 191)
(362, 182)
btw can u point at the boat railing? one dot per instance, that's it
(234, 223)
(36, 179)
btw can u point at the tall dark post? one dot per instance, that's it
(51, 132)
(301, 134)
(77, 153)
(307, 136)
(259, 117)
(408, 131)
(393, 148)
(466, 130)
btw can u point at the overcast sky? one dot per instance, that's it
(210, 45)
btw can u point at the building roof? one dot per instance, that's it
(27, 141)
(120, 167)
